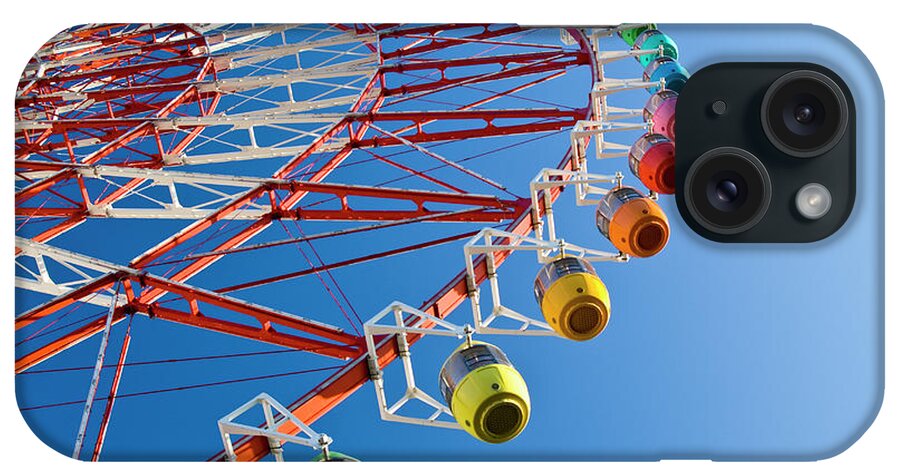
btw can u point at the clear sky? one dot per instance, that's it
(705, 354)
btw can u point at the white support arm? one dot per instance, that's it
(583, 131)
(489, 242)
(393, 321)
(306, 436)
(585, 188)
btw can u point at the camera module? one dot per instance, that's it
(766, 152)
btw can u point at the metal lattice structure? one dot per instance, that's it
(234, 137)
(232, 131)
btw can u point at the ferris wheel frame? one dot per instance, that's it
(481, 260)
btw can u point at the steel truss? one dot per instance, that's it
(108, 113)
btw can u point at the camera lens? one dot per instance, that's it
(727, 194)
(804, 113)
(727, 190)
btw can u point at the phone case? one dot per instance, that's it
(230, 237)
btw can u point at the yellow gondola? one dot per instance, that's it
(573, 300)
(486, 394)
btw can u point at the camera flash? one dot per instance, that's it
(813, 201)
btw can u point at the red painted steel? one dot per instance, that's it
(116, 129)
(144, 290)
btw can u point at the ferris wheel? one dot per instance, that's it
(328, 194)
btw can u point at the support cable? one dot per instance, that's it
(188, 387)
(114, 389)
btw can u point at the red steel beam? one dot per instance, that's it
(116, 134)
(79, 335)
(113, 196)
(97, 42)
(483, 114)
(416, 116)
(142, 129)
(500, 59)
(52, 85)
(553, 59)
(204, 67)
(419, 197)
(480, 216)
(344, 345)
(396, 30)
(105, 95)
(112, 74)
(65, 300)
(446, 83)
(266, 335)
(111, 38)
(86, 31)
(530, 63)
(444, 43)
(130, 102)
(346, 214)
(264, 315)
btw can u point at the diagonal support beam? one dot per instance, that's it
(143, 289)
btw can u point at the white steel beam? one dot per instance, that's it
(44, 282)
(398, 326)
(306, 436)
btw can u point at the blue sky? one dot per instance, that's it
(711, 350)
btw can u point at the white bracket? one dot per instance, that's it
(583, 131)
(399, 320)
(585, 187)
(600, 107)
(491, 243)
(306, 436)
(601, 31)
(604, 86)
